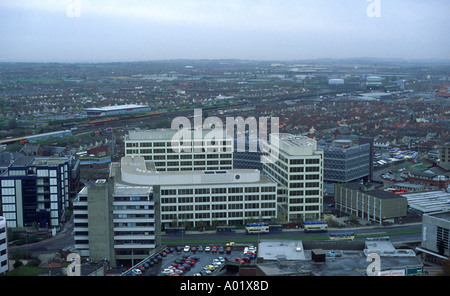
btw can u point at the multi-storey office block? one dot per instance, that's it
(116, 221)
(295, 163)
(228, 197)
(170, 154)
(36, 190)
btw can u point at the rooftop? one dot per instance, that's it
(293, 145)
(164, 134)
(370, 189)
(115, 108)
(429, 201)
(444, 215)
(341, 259)
(286, 249)
(134, 170)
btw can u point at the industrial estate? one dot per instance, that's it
(332, 168)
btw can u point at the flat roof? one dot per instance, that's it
(444, 215)
(278, 250)
(429, 201)
(375, 192)
(134, 170)
(115, 108)
(338, 262)
(164, 134)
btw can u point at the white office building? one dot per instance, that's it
(4, 265)
(168, 152)
(296, 164)
(227, 197)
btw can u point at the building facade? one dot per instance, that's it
(296, 165)
(116, 221)
(37, 190)
(4, 262)
(227, 197)
(187, 154)
(368, 203)
(436, 234)
(346, 161)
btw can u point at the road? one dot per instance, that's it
(407, 232)
(65, 239)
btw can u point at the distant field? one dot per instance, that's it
(35, 80)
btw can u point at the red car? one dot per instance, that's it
(194, 249)
(214, 250)
(239, 260)
(246, 259)
(190, 262)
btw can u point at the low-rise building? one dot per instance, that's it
(369, 203)
(334, 258)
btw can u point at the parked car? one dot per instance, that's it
(228, 250)
(221, 250)
(207, 249)
(194, 249)
(239, 260)
(186, 249)
(210, 267)
(214, 250)
(200, 248)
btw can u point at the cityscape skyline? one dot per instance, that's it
(99, 31)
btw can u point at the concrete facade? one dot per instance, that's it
(436, 232)
(296, 165)
(369, 203)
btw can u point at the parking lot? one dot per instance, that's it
(203, 258)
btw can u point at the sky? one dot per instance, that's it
(141, 30)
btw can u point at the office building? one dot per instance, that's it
(296, 165)
(228, 197)
(187, 154)
(4, 263)
(436, 235)
(116, 221)
(121, 218)
(369, 203)
(346, 160)
(37, 190)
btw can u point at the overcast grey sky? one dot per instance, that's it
(136, 30)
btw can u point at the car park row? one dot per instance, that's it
(185, 260)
